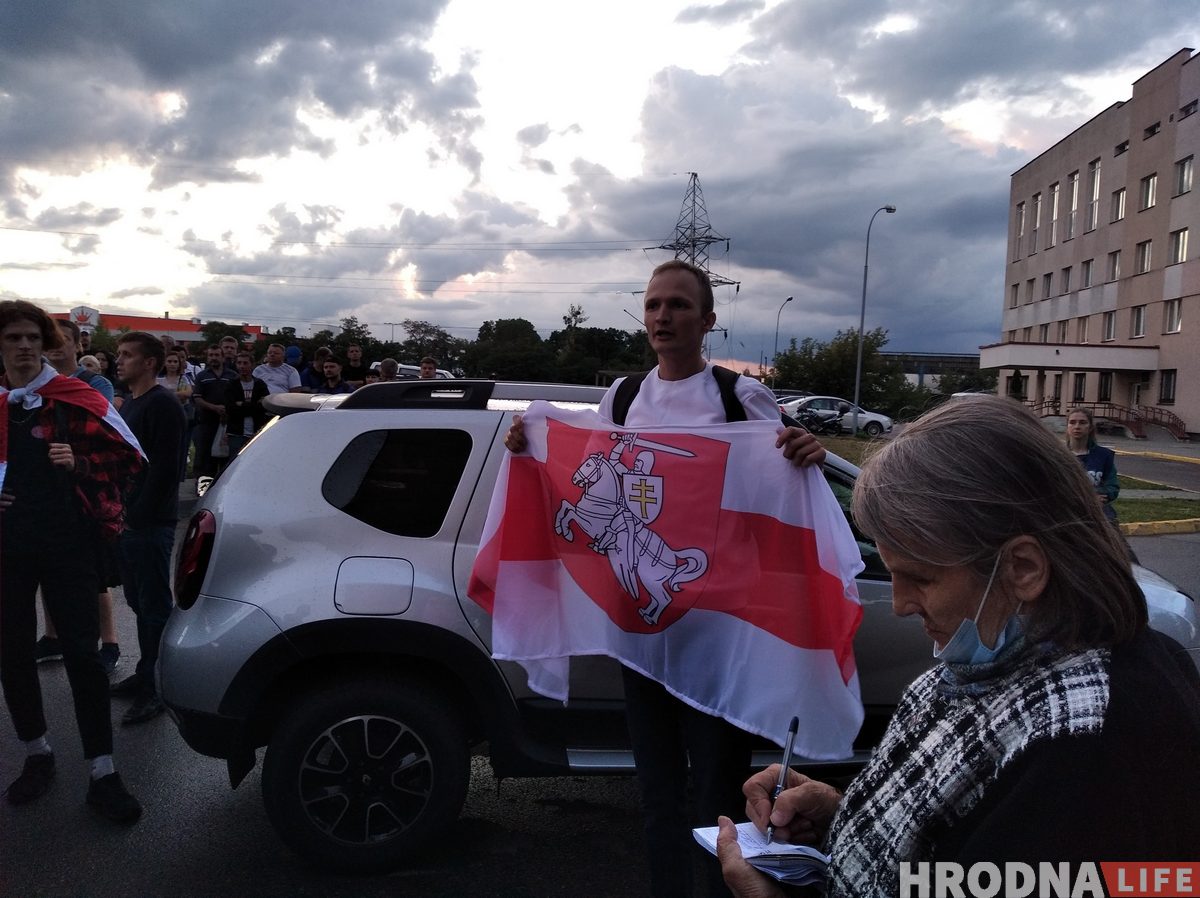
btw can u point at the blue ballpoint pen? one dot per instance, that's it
(787, 762)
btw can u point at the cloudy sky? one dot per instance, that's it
(455, 161)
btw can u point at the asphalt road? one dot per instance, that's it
(1180, 474)
(198, 838)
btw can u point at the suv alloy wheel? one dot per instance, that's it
(359, 775)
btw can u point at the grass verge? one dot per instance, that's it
(1129, 511)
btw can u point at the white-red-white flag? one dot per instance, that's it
(698, 556)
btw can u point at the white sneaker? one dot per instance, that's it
(202, 485)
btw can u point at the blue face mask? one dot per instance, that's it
(966, 646)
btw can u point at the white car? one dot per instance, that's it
(871, 423)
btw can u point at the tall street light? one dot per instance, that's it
(775, 358)
(862, 316)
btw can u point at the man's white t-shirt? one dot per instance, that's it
(693, 400)
(278, 380)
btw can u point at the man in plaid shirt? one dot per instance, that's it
(66, 463)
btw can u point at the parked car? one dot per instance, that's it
(322, 613)
(871, 423)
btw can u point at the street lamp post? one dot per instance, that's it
(775, 358)
(862, 317)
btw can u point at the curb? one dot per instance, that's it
(1163, 456)
(1158, 528)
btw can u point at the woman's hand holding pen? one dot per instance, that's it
(802, 812)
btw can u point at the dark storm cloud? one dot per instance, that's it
(721, 13)
(793, 182)
(195, 86)
(958, 51)
(363, 267)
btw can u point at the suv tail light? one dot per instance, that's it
(193, 558)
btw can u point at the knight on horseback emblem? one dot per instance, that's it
(616, 509)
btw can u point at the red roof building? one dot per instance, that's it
(182, 330)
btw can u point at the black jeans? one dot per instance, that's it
(666, 735)
(69, 586)
(146, 574)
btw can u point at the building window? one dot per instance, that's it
(1110, 326)
(1137, 321)
(1029, 290)
(1104, 388)
(1019, 228)
(1114, 266)
(1093, 206)
(1081, 330)
(1073, 199)
(1053, 236)
(1118, 205)
(1183, 175)
(1148, 192)
(1179, 246)
(1080, 389)
(1035, 221)
(1142, 257)
(1120, 148)
(1027, 334)
(1044, 333)
(1014, 295)
(1151, 131)
(1062, 331)
(1064, 280)
(1172, 316)
(1185, 111)
(1058, 386)
(1047, 285)
(1085, 273)
(1166, 386)
(1012, 336)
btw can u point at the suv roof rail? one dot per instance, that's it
(433, 393)
(437, 394)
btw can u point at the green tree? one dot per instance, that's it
(354, 332)
(509, 349)
(426, 339)
(213, 331)
(828, 369)
(966, 381)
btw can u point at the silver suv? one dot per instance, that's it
(322, 612)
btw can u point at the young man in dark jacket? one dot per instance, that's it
(158, 421)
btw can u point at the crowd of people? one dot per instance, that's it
(95, 445)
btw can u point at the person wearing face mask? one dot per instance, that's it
(1056, 726)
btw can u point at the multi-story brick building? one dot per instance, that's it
(1102, 293)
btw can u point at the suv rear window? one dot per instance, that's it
(400, 481)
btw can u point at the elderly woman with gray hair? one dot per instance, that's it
(1056, 727)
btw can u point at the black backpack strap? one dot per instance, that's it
(627, 390)
(727, 384)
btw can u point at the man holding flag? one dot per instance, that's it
(67, 461)
(668, 733)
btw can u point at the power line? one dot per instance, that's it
(621, 245)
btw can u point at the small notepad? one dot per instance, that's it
(794, 864)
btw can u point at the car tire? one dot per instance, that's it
(873, 428)
(361, 775)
